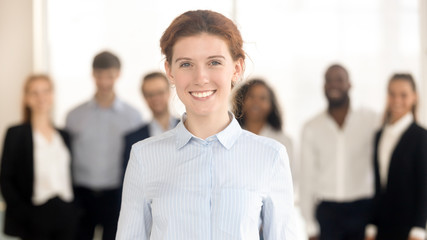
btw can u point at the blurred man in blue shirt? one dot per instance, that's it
(97, 128)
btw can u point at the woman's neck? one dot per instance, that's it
(206, 126)
(394, 118)
(254, 126)
(42, 123)
(106, 99)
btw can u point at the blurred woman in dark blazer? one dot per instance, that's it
(400, 162)
(35, 176)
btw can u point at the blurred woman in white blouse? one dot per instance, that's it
(400, 161)
(35, 171)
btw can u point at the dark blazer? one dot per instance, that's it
(17, 177)
(134, 137)
(402, 204)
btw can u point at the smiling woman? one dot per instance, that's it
(207, 178)
(202, 70)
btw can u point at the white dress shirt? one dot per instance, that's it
(178, 186)
(389, 139)
(336, 163)
(51, 169)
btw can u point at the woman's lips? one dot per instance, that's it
(202, 94)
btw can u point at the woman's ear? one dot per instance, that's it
(238, 70)
(169, 73)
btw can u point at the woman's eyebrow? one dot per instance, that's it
(182, 58)
(210, 57)
(216, 56)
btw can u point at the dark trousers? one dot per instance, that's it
(343, 221)
(54, 220)
(99, 208)
(392, 234)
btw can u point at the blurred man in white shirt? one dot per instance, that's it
(336, 164)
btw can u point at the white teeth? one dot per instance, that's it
(202, 94)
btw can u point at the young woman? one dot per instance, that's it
(207, 178)
(400, 211)
(257, 110)
(35, 172)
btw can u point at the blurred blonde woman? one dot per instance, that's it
(35, 171)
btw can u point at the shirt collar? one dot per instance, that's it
(400, 125)
(332, 121)
(117, 104)
(226, 137)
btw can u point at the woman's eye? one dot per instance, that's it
(214, 63)
(185, 64)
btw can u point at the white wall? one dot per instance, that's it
(290, 43)
(16, 58)
(79, 29)
(423, 52)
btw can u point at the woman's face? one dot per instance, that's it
(257, 103)
(39, 96)
(202, 71)
(401, 98)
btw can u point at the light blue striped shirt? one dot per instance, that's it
(178, 186)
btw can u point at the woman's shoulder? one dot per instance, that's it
(16, 133)
(19, 128)
(163, 140)
(267, 143)
(419, 130)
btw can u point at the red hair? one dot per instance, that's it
(202, 21)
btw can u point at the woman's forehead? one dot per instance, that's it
(200, 46)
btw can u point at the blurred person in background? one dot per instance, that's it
(36, 171)
(336, 185)
(400, 203)
(156, 91)
(97, 128)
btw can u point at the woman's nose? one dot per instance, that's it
(201, 76)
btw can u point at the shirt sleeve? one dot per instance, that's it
(417, 232)
(135, 219)
(307, 174)
(277, 211)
